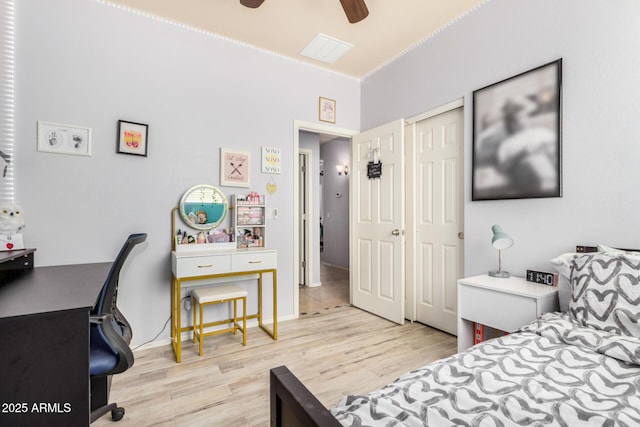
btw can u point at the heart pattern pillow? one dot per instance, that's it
(605, 292)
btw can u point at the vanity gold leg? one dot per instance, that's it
(272, 333)
(260, 299)
(275, 305)
(176, 329)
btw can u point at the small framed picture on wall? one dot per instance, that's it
(327, 110)
(133, 138)
(234, 167)
(64, 139)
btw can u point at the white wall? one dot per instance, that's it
(600, 46)
(335, 215)
(85, 63)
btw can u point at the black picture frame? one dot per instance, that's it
(133, 138)
(517, 136)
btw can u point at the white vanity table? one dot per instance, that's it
(215, 264)
(203, 207)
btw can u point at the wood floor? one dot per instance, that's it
(334, 352)
(333, 293)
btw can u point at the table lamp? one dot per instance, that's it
(500, 241)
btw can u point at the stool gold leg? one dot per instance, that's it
(244, 321)
(193, 308)
(200, 336)
(235, 317)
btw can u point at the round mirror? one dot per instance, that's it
(203, 207)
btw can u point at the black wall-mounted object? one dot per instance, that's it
(374, 170)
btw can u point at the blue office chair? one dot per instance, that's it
(110, 335)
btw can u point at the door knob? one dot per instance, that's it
(461, 235)
(396, 232)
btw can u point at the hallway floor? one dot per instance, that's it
(333, 293)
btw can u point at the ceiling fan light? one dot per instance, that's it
(356, 10)
(251, 3)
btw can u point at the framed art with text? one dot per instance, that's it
(517, 136)
(234, 167)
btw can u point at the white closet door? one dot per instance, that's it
(436, 218)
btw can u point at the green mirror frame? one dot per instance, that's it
(203, 207)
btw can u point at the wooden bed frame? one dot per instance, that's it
(293, 405)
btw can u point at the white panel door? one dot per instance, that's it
(377, 222)
(438, 218)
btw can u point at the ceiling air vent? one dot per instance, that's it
(326, 49)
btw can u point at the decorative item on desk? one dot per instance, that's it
(253, 198)
(549, 279)
(500, 241)
(11, 222)
(220, 236)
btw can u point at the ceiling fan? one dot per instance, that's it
(356, 10)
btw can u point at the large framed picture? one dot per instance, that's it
(234, 167)
(517, 136)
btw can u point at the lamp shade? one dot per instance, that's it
(500, 239)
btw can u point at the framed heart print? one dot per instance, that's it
(234, 167)
(133, 138)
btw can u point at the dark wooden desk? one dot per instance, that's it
(44, 334)
(16, 260)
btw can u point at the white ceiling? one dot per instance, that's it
(287, 26)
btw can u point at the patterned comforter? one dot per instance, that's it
(552, 372)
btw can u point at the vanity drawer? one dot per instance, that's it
(254, 261)
(201, 265)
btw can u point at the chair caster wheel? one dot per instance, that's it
(117, 414)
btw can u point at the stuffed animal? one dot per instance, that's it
(11, 220)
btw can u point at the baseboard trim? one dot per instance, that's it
(341, 267)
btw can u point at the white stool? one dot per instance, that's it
(216, 295)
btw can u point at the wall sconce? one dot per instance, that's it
(342, 168)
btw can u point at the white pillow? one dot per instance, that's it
(562, 264)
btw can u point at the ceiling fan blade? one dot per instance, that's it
(251, 3)
(356, 10)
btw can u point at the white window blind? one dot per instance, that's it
(7, 55)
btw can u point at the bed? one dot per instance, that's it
(580, 366)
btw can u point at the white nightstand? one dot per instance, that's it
(504, 304)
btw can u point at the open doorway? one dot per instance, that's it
(322, 211)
